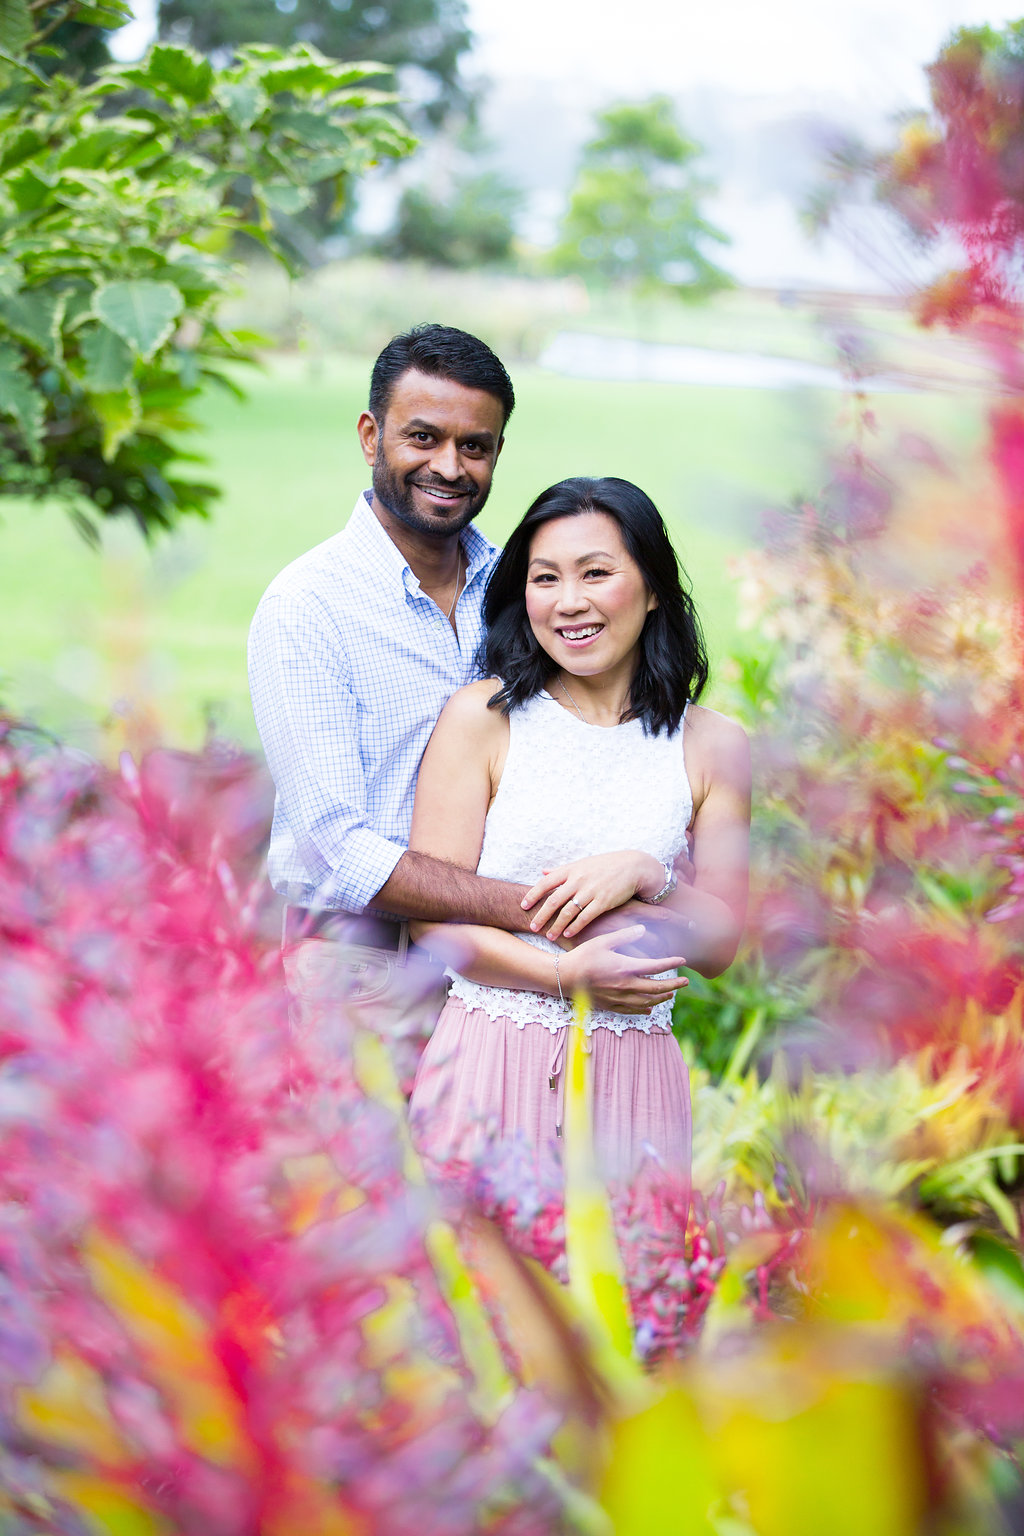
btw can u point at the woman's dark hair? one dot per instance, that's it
(444, 353)
(673, 664)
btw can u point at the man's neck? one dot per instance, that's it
(432, 560)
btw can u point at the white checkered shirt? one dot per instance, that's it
(350, 664)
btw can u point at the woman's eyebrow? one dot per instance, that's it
(596, 554)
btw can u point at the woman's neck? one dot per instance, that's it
(601, 700)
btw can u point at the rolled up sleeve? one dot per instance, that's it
(308, 720)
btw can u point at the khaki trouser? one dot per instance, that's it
(338, 984)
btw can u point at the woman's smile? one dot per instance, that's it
(578, 635)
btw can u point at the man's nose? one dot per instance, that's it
(445, 461)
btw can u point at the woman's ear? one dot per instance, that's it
(652, 601)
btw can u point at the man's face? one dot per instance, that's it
(434, 453)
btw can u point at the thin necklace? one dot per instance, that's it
(458, 578)
(572, 701)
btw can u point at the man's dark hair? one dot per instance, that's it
(444, 353)
(673, 663)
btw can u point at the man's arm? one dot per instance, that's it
(308, 719)
(431, 888)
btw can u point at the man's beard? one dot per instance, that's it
(396, 495)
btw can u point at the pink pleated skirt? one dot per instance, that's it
(482, 1080)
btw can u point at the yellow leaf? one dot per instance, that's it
(105, 1508)
(68, 1407)
(178, 1350)
(595, 1265)
(658, 1478)
(813, 1444)
(119, 415)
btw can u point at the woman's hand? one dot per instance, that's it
(616, 981)
(574, 894)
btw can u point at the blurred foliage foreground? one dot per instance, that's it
(232, 1302)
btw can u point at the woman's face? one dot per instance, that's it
(586, 598)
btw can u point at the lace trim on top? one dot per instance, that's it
(537, 1008)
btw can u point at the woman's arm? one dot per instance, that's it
(715, 905)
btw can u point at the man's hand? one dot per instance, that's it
(655, 930)
(683, 866)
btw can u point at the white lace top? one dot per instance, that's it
(570, 789)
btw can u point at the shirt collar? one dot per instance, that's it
(372, 541)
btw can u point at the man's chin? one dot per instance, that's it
(439, 525)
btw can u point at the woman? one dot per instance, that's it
(585, 750)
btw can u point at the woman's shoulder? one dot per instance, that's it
(717, 747)
(712, 725)
(468, 708)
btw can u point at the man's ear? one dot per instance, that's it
(369, 435)
(501, 444)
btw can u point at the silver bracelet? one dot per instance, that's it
(671, 882)
(558, 980)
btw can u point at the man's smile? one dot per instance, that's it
(443, 493)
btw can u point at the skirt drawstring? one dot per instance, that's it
(556, 1071)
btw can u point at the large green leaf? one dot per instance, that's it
(243, 101)
(15, 26)
(20, 399)
(109, 361)
(18, 147)
(29, 189)
(34, 318)
(285, 198)
(95, 150)
(110, 14)
(171, 71)
(143, 312)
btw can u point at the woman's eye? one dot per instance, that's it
(596, 571)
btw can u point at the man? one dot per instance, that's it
(354, 649)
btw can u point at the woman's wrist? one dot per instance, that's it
(567, 976)
(652, 878)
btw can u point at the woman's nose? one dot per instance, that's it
(572, 598)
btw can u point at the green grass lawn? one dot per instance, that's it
(81, 633)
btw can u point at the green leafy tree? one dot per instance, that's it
(635, 213)
(473, 227)
(120, 201)
(431, 35)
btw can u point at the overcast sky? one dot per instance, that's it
(858, 49)
(738, 69)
